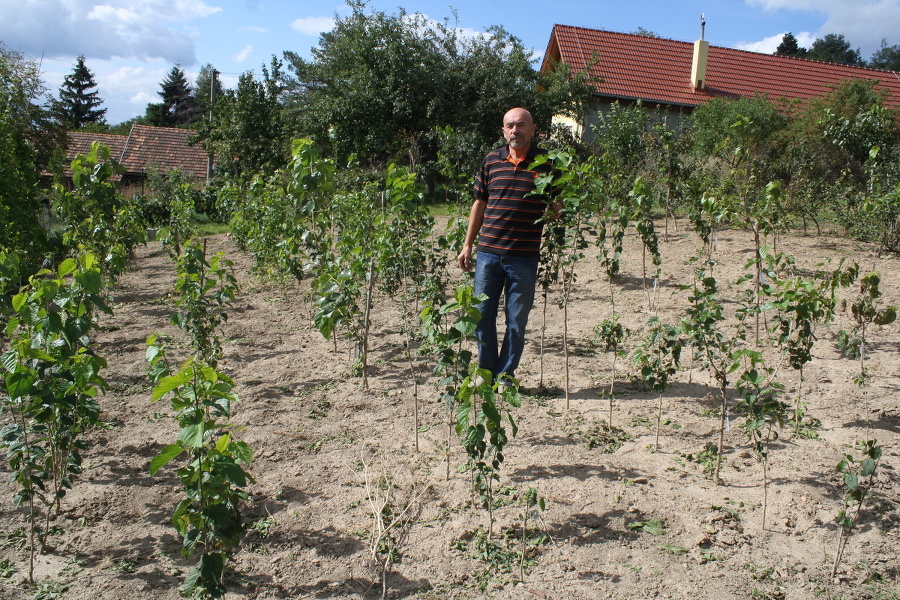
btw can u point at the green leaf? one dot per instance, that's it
(19, 384)
(193, 435)
(169, 384)
(242, 451)
(165, 457)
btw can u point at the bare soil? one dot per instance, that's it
(325, 446)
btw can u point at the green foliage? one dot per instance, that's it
(178, 102)
(213, 476)
(51, 380)
(204, 290)
(380, 85)
(97, 218)
(886, 57)
(658, 357)
(857, 475)
(718, 351)
(247, 135)
(21, 146)
(174, 192)
(866, 311)
(653, 526)
(763, 409)
(834, 48)
(79, 101)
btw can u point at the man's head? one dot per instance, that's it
(518, 129)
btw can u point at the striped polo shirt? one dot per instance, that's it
(509, 220)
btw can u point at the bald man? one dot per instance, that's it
(505, 221)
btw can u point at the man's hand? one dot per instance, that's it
(465, 258)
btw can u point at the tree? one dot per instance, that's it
(79, 101)
(834, 48)
(20, 140)
(645, 32)
(178, 100)
(247, 134)
(886, 57)
(207, 90)
(789, 46)
(379, 86)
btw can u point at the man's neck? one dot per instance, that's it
(518, 154)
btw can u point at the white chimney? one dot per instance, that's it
(701, 51)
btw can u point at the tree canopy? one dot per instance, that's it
(23, 136)
(380, 85)
(247, 133)
(79, 101)
(789, 46)
(835, 48)
(178, 105)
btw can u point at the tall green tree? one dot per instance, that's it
(789, 46)
(178, 106)
(26, 136)
(79, 101)
(207, 91)
(380, 85)
(835, 48)
(247, 133)
(886, 57)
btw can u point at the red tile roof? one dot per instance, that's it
(658, 70)
(80, 143)
(164, 148)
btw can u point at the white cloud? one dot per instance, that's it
(141, 29)
(863, 23)
(243, 54)
(254, 29)
(771, 43)
(312, 25)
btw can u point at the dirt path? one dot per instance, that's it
(318, 436)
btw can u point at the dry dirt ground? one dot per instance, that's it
(318, 436)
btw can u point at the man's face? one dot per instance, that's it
(518, 129)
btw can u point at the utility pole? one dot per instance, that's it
(212, 103)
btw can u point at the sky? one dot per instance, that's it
(130, 45)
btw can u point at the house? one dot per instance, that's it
(144, 148)
(678, 76)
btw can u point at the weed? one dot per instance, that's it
(653, 526)
(7, 569)
(124, 566)
(320, 409)
(596, 435)
(705, 458)
(264, 526)
(49, 590)
(673, 549)
(641, 422)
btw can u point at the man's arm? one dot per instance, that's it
(476, 218)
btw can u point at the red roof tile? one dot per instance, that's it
(80, 143)
(163, 148)
(658, 70)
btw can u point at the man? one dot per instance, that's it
(505, 221)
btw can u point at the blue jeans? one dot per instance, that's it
(516, 277)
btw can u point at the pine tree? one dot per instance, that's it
(789, 46)
(77, 104)
(178, 98)
(208, 89)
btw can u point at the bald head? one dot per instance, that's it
(518, 130)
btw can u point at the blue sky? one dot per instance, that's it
(131, 44)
